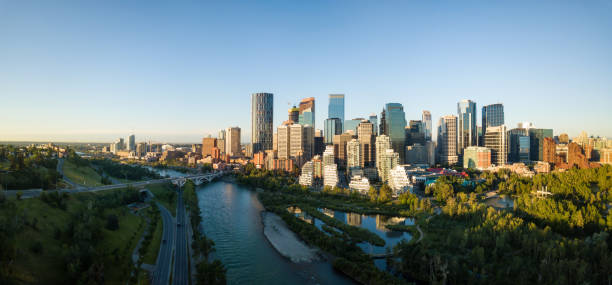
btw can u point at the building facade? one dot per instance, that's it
(336, 108)
(447, 140)
(262, 109)
(307, 112)
(232, 141)
(365, 134)
(333, 126)
(476, 157)
(467, 134)
(495, 139)
(492, 116)
(427, 126)
(395, 127)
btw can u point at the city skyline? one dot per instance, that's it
(177, 79)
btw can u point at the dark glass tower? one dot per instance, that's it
(492, 116)
(262, 107)
(395, 127)
(467, 133)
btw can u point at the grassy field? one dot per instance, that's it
(165, 194)
(41, 255)
(151, 255)
(81, 175)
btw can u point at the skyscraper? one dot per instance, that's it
(332, 127)
(340, 142)
(262, 105)
(395, 125)
(496, 140)
(351, 125)
(492, 116)
(447, 140)
(427, 125)
(131, 143)
(536, 137)
(336, 108)
(374, 120)
(365, 134)
(207, 146)
(352, 154)
(294, 114)
(232, 141)
(467, 133)
(383, 121)
(382, 144)
(307, 112)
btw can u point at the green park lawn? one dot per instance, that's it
(165, 195)
(86, 175)
(151, 256)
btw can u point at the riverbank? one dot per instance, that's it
(286, 242)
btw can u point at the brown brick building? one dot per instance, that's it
(207, 146)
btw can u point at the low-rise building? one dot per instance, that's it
(399, 180)
(360, 184)
(330, 175)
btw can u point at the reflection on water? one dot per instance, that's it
(231, 217)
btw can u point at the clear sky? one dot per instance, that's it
(178, 70)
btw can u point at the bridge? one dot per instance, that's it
(179, 181)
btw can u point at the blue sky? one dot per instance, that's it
(178, 70)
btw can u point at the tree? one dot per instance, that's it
(373, 194)
(112, 222)
(385, 193)
(211, 273)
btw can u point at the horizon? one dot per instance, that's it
(177, 73)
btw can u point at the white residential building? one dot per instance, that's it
(330, 175)
(399, 180)
(328, 155)
(306, 178)
(388, 160)
(360, 184)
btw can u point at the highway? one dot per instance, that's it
(181, 264)
(161, 276)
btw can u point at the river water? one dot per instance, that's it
(231, 217)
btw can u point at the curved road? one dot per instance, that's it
(161, 276)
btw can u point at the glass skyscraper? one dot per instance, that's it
(352, 125)
(492, 116)
(374, 120)
(467, 133)
(395, 127)
(307, 112)
(332, 127)
(336, 107)
(427, 127)
(262, 105)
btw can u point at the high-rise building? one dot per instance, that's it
(351, 125)
(328, 156)
(564, 138)
(319, 143)
(395, 125)
(447, 140)
(549, 150)
(353, 154)
(536, 137)
(415, 133)
(417, 154)
(374, 120)
(333, 127)
(282, 137)
(221, 135)
(383, 122)
(389, 159)
(477, 157)
(467, 133)
(492, 116)
(518, 145)
(495, 139)
(295, 142)
(294, 114)
(307, 112)
(382, 143)
(365, 134)
(262, 107)
(336, 108)
(307, 176)
(131, 143)
(232, 141)
(340, 142)
(207, 146)
(330, 175)
(427, 127)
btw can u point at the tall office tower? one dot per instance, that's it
(122, 145)
(352, 154)
(328, 156)
(340, 142)
(294, 114)
(141, 149)
(467, 133)
(351, 125)
(388, 160)
(336, 108)
(382, 143)
(282, 141)
(518, 144)
(367, 139)
(221, 135)
(395, 126)
(426, 118)
(374, 120)
(333, 127)
(496, 140)
(492, 116)
(207, 146)
(296, 143)
(319, 144)
(383, 121)
(262, 107)
(232, 141)
(415, 133)
(131, 143)
(307, 112)
(536, 138)
(447, 140)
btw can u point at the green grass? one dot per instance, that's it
(81, 175)
(5, 164)
(48, 266)
(151, 256)
(165, 194)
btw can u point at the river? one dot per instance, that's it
(231, 217)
